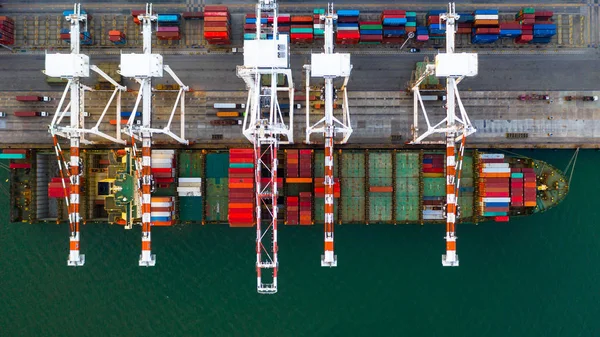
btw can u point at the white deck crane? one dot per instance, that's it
(143, 67)
(266, 127)
(454, 67)
(74, 66)
(329, 65)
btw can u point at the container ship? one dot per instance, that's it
(215, 186)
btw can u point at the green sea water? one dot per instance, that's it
(533, 276)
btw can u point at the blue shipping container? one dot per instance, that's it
(509, 33)
(168, 18)
(394, 21)
(437, 26)
(253, 21)
(370, 32)
(544, 26)
(437, 12)
(393, 33)
(128, 113)
(496, 204)
(348, 12)
(65, 13)
(541, 40)
(348, 24)
(486, 12)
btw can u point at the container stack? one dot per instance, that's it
(117, 37)
(510, 29)
(320, 188)
(283, 23)
(422, 34)
(433, 207)
(465, 23)
(318, 25)
(291, 163)
(305, 164)
(292, 211)
(189, 187)
(437, 29)
(526, 16)
(163, 167)
(347, 27)
(168, 27)
(494, 187)
(250, 26)
(371, 32)
(516, 187)
(55, 187)
(543, 32)
(486, 27)
(305, 200)
(217, 27)
(411, 22)
(526, 34)
(301, 30)
(85, 37)
(394, 25)
(241, 188)
(135, 14)
(7, 31)
(162, 211)
(530, 194)
(433, 165)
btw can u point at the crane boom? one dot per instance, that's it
(455, 67)
(329, 65)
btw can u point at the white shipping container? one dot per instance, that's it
(496, 199)
(486, 17)
(496, 170)
(189, 191)
(319, 26)
(496, 165)
(160, 214)
(348, 28)
(190, 180)
(161, 160)
(161, 165)
(492, 156)
(171, 152)
(161, 204)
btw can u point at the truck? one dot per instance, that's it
(534, 97)
(34, 98)
(68, 114)
(286, 106)
(229, 106)
(433, 98)
(2, 114)
(583, 98)
(31, 114)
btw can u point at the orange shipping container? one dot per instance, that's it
(241, 205)
(216, 29)
(530, 185)
(486, 23)
(298, 180)
(381, 189)
(241, 185)
(162, 223)
(216, 19)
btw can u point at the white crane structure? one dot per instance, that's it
(73, 67)
(266, 127)
(143, 67)
(329, 65)
(455, 67)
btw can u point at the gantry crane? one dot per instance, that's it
(265, 127)
(329, 65)
(455, 67)
(73, 67)
(143, 67)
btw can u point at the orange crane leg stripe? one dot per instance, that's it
(451, 245)
(74, 245)
(329, 246)
(145, 245)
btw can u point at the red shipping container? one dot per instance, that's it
(394, 12)
(20, 165)
(495, 194)
(215, 8)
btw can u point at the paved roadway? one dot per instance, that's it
(370, 72)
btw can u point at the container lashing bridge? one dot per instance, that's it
(266, 127)
(73, 67)
(329, 65)
(142, 68)
(455, 67)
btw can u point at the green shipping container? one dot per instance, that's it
(301, 30)
(528, 10)
(411, 24)
(319, 31)
(318, 11)
(374, 27)
(516, 175)
(241, 165)
(12, 156)
(411, 14)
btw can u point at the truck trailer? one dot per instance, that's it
(31, 114)
(34, 98)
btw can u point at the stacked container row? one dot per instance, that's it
(162, 211)
(486, 27)
(163, 167)
(168, 27)
(55, 187)
(433, 165)
(494, 188)
(301, 30)
(85, 37)
(135, 14)
(318, 24)
(7, 30)
(437, 29)
(530, 194)
(320, 188)
(117, 37)
(292, 211)
(516, 187)
(217, 25)
(305, 208)
(347, 27)
(371, 32)
(241, 187)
